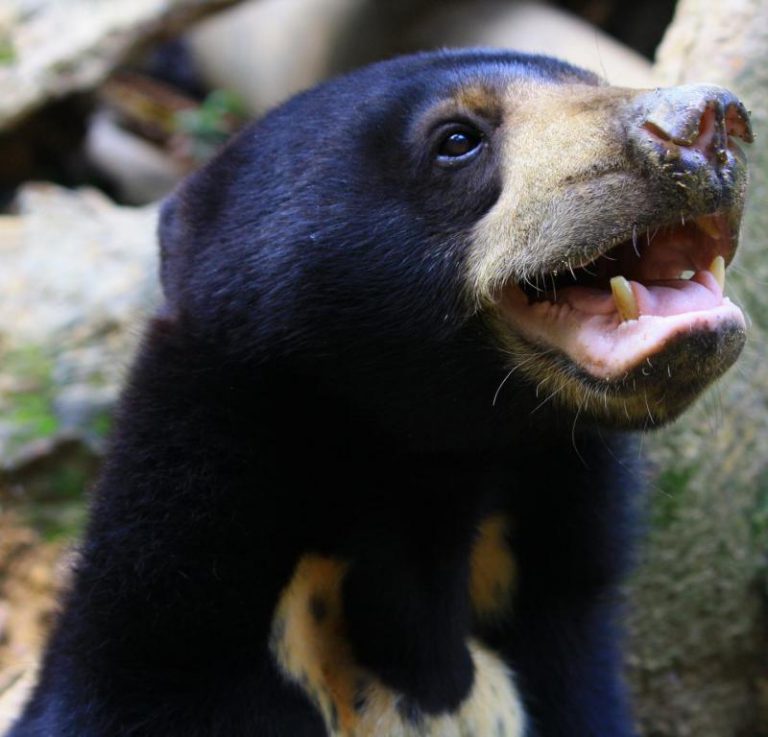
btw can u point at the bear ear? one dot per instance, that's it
(171, 234)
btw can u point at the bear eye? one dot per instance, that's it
(459, 144)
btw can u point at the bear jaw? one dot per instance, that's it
(637, 359)
(581, 263)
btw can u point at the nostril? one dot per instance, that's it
(694, 117)
(737, 122)
(656, 132)
(709, 130)
(712, 139)
(702, 136)
(697, 119)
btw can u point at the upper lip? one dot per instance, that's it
(659, 252)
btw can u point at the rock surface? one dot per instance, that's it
(39, 62)
(79, 274)
(78, 278)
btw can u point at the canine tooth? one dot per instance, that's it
(624, 297)
(717, 268)
(709, 227)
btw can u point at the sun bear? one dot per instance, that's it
(370, 474)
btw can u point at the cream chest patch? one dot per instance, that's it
(309, 645)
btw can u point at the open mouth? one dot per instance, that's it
(633, 300)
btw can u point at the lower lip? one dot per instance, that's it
(601, 344)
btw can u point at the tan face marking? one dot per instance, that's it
(308, 644)
(567, 184)
(492, 570)
(479, 99)
(562, 157)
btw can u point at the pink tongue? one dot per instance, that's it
(661, 298)
(677, 296)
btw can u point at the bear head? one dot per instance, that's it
(466, 244)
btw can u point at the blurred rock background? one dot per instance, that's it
(105, 105)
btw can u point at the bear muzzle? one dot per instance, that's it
(627, 305)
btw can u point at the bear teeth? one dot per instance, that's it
(717, 269)
(624, 298)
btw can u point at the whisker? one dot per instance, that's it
(500, 386)
(528, 358)
(531, 285)
(551, 396)
(573, 436)
(648, 408)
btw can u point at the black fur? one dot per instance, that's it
(319, 382)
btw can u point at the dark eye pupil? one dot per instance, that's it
(458, 144)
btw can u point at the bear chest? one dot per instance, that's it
(309, 645)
